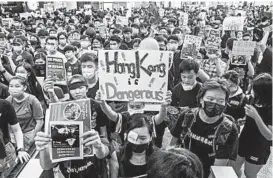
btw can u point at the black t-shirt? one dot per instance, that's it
(129, 44)
(75, 68)
(200, 141)
(91, 93)
(7, 117)
(235, 106)
(183, 98)
(4, 91)
(131, 170)
(258, 142)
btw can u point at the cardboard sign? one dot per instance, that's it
(49, 8)
(139, 76)
(72, 111)
(233, 23)
(55, 70)
(183, 19)
(191, 45)
(213, 40)
(102, 30)
(66, 143)
(243, 47)
(122, 20)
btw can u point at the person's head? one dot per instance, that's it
(163, 31)
(118, 32)
(89, 65)
(97, 42)
(62, 38)
(174, 163)
(188, 71)
(85, 41)
(114, 42)
(17, 86)
(77, 86)
(233, 80)
(240, 35)
(262, 88)
(138, 135)
(247, 37)
(53, 32)
(39, 58)
(173, 42)
(213, 96)
(26, 71)
(17, 45)
(143, 28)
(229, 45)
(127, 33)
(149, 44)
(162, 42)
(165, 20)
(136, 43)
(136, 20)
(51, 44)
(69, 52)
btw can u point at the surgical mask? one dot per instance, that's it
(15, 91)
(138, 148)
(88, 73)
(22, 75)
(173, 47)
(85, 44)
(40, 66)
(188, 87)
(213, 109)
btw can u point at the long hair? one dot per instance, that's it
(137, 121)
(262, 87)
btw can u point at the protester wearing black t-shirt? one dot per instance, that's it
(212, 98)
(255, 139)
(127, 33)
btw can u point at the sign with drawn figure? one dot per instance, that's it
(122, 20)
(139, 76)
(55, 70)
(191, 45)
(183, 19)
(66, 142)
(233, 23)
(241, 47)
(77, 110)
(213, 40)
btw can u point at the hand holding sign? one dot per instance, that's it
(168, 99)
(42, 140)
(92, 137)
(98, 98)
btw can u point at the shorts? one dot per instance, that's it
(254, 156)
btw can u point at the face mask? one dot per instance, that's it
(173, 47)
(139, 148)
(213, 109)
(84, 44)
(40, 66)
(50, 48)
(88, 73)
(15, 91)
(22, 75)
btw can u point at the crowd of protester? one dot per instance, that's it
(221, 112)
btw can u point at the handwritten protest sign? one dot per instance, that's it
(190, 46)
(87, 6)
(213, 40)
(233, 23)
(122, 20)
(139, 76)
(183, 19)
(55, 70)
(68, 112)
(66, 143)
(49, 7)
(243, 47)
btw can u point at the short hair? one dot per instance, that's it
(187, 65)
(262, 87)
(230, 42)
(143, 25)
(177, 30)
(127, 30)
(69, 48)
(173, 37)
(232, 75)
(213, 84)
(89, 57)
(175, 163)
(161, 39)
(116, 31)
(99, 38)
(115, 38)
(51, 38)
(22, 80)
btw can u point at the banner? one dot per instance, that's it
(183, 19)
(191, 45)
(55, 70)
(72, 111)
(213, 40)
(66, 143)
(233, 23)
(243, 47)
(122, 20)
(139, 76)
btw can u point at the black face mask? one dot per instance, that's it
(213, 109)
(138, 148)
(33, 42)
(40, 66)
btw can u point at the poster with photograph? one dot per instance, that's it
(77, 110)
(213, 40)
(238, 60)
(139, 76)
(122, 20)
(241, 47)
(55, 70)
(66, 143)
(102, 30)
(190, 46)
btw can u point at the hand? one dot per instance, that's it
(49, 86)
(23, 156)
(42, 140)
(252, 112)
(98, 98)
(168, 99)
(92, 138)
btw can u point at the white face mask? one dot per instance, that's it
(188, 87)
(88, 73)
